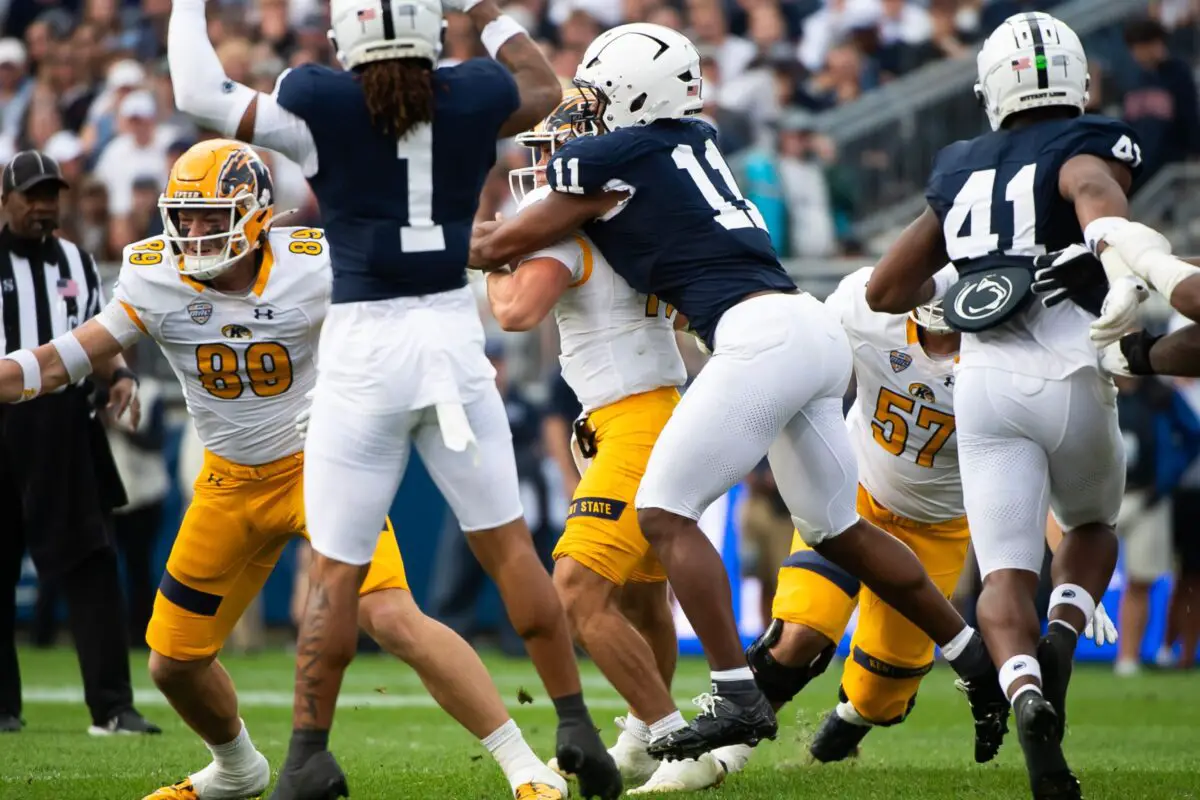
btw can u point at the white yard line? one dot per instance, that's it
(58, 695)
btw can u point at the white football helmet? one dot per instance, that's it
(1031, 61)
(380, 30)
(931, 318)
(638, 73)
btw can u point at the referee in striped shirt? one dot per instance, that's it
(58, 482)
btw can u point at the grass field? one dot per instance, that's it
(1129, 738)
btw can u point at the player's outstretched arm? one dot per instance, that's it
(904, 278)
(206, 94)
(507, 42)
(494, 244)
(24, 374)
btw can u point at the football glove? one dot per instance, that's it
(1072, 273)
(1119, 314)
(1100, 628)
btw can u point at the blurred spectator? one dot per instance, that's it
(123, 77)
(734, 131)
(16, 87)
(1162, 438)
(711, 36)
(830, 25)
(139, 152)
(562, 409)
(1161, 105)
(840, 82)
(803, 156)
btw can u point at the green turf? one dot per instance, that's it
(1129, 738)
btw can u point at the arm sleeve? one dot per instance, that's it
(121, 320)
(849, 295)
(205, 93)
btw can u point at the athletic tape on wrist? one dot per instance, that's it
(73, 356)
(31, 373)
(499, 31)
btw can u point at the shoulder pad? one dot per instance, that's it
(149, 280)
(1103, 137)
(294, 91)
(587, 164)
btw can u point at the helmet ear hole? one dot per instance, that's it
(979, 98)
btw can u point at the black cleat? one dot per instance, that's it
(722, 721)
(319, 778)
(127, 722)
(990, 708)
(837, 740)
(11, 724)
(1038, 729)
(1055, 654)
(580, 752)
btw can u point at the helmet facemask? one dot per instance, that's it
(930, 317)
(567, 122)
(205, 256)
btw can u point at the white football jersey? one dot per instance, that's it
(245, 361)
(615, 342)
(902, 423)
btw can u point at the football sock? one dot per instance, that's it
(1016, 668)
(513, 754)
(304, 744)
(234, 755)
(571, 708)
(637, 729)
(668, 724)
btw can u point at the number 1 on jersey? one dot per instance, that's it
(420, 235)
(731, 214)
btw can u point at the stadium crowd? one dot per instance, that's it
(86, 82)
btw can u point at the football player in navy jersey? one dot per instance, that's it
(396, 151)
(1037, 419)
(656, 196)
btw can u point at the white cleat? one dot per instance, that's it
(691, 775)
(733, 759)
(635, 764)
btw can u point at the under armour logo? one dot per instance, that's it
(264, 313)
(8, 285)
(212, 478)
(948, 382)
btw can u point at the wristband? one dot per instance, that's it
(1097, 229)
(31, 372)
(1136, 349)
(74, 357)
(121, 373)
(943, 279)
(499, 31)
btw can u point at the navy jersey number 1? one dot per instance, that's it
(733, 211)
(421, 234)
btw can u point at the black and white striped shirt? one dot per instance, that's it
(47, 287)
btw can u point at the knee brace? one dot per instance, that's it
(780, 683)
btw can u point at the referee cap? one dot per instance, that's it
(28, 168)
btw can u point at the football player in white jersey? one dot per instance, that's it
(236, 307)
(1037, 423)
(620, 358)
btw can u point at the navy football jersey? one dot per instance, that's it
(686, 235)
(398, 213)
(998, 193)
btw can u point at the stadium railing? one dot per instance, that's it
(891, 136)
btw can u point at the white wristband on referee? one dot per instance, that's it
(73, 356)
(31, 372)
(499, 31)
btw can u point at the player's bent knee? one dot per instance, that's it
(777, 680)
(170, 674)
(882, 692)
(392, 619)
(658, 524)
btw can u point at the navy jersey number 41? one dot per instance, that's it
(998, 193)
(686, 233)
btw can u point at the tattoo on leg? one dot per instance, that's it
(311, 646)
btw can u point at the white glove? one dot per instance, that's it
(1100, 629)
(1119, 314)
(1134, 241)
(459, 6)
(302, 417)
(1113, 361)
